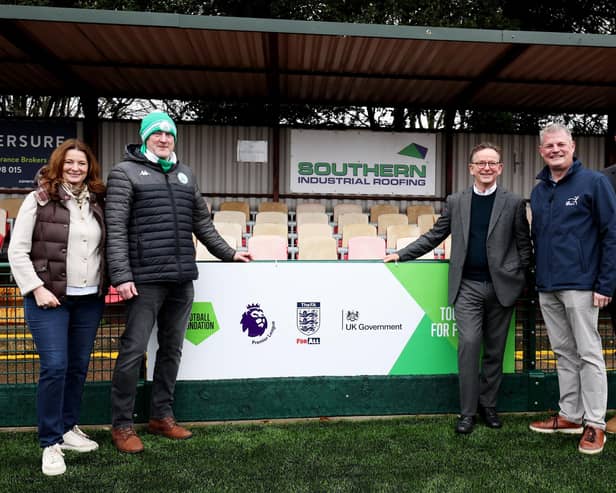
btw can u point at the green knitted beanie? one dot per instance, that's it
(157, 121)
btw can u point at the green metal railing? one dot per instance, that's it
(19, 360)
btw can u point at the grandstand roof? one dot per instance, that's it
(53, 51)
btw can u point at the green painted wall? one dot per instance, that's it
(301, 397)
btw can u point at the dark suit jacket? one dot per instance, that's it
(508, 243)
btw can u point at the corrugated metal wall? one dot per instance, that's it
(521, 159)
(211, 151)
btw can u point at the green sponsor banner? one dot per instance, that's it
(203, 322)
(426, 283)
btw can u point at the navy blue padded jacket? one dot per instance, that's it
(574, 231)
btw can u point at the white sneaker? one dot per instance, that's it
(78, 441)
(53, 461)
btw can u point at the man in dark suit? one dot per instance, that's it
(490, 254)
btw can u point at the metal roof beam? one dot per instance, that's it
(273, 75)
(39, 55)
(488, 75)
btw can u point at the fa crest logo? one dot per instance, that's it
(572, 201)
(308, 317)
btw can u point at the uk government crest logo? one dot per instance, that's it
(255, 324)
(308, 317)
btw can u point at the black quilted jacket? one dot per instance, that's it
(150, 217)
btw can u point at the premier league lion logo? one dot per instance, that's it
(254, 321)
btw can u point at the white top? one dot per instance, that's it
(82, 259)
(489, 191)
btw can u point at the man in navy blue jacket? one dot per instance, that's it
(574, 235)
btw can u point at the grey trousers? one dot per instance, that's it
(571, 321)
(167, 305)
(480, 318)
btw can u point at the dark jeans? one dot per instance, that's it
(168, 305)
(64, 337)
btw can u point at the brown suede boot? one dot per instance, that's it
(126, 440)
(167, 427)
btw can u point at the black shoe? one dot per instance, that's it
(465, 424)
(490, 417)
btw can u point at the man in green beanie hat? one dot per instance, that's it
(153, 207)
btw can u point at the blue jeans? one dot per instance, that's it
(64, 337)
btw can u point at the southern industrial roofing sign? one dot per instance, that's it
(362, 162)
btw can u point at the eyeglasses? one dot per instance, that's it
(489, 164)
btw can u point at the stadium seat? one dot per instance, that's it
(276, 229)
(202, 253)
(402, 242)
(3, 226)
(112, 296)
(345, 208)
(378, 209)
(231, 217)
(268, 247)
(350, 218)
(386, 220)
(11, 205)
(366, 248)
(309, 207)
(414, 211)
(396, 231)
(426, 221)
(237, 206)
(309, 230)
(447, 247)
(273, 207)
(233, 230)
(318, 248)
(351, 230)
(311, 218)
(271, 217)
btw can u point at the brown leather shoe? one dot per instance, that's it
(557, 424)
(126, 440)
(610, 426)
(167, 427)
(592, 440)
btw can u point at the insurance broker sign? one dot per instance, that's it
(25, 146)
